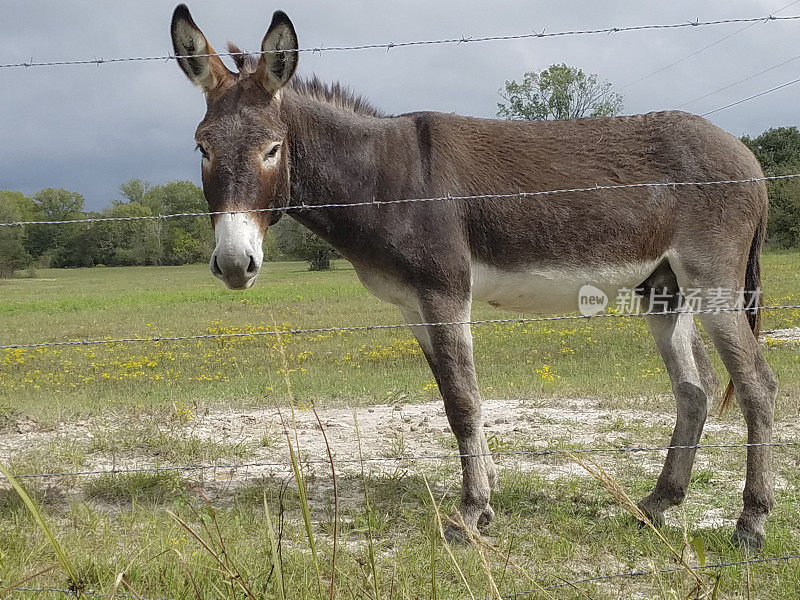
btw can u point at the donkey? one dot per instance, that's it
(269, 140)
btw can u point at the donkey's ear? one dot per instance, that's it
(206, 72)
(279, 59)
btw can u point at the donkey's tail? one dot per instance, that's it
(752, 296)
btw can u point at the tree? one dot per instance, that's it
(123, 243)
(13, 256)
(295, 241)
(134, 190)
(20, 204)
(55, 244)
(558, 92)
(778, 151)
(184, 239)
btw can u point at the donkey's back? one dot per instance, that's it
(468, 153)
(535, 252)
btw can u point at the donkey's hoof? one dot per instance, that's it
(454, 534)
(748, 540)
(656, 517)
(486, 517)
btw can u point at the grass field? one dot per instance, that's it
(562, 384)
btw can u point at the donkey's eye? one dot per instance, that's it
(273, 151)
(203, 151)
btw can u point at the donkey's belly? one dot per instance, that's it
(554, 289)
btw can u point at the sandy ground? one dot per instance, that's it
(391, 430)
(789, 335)
(386, 430)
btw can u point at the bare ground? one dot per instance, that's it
(386, 430)
(418, 430)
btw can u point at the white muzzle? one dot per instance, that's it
(238, 254)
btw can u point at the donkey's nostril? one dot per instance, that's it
(252, 268)
(215, 267)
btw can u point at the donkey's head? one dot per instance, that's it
(242, 139)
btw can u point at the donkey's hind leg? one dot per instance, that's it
(756, 387)
(676, 335)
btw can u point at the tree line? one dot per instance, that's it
(113, 243)
(174, 241)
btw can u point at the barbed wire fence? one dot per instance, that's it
(498, 197)
(379, 203)
(229, 468)
(392, 45)
(380, 326)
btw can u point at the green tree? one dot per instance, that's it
(558, 92)
(56, 244)
(184, 239)
(19, 204)
(13, 255)
(778, 151)
(124, 243)
(134, 190)
(297, 242)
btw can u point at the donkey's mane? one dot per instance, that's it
(335, 93)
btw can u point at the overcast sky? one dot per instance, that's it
(90, 128)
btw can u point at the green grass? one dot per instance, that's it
(140, 403)
(610, 358)
(553, 529)
(156, 488)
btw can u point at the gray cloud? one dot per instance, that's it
(90, 128)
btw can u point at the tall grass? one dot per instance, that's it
(75, 583)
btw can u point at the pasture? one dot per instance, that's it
(560, 385)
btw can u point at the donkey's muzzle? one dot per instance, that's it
(238, 254)
(238, 271)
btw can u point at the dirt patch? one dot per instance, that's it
(787, 335)
(387, 431)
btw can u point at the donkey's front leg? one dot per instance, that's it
(421, 334)
(448, 349)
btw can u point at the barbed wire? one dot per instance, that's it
(699, 50)
(401, 458)
(595, 188)
(391, 45)
(555, 586)
(735, 83)
(206, 336)
(757, 95)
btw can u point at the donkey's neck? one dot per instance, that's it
(339, 156)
